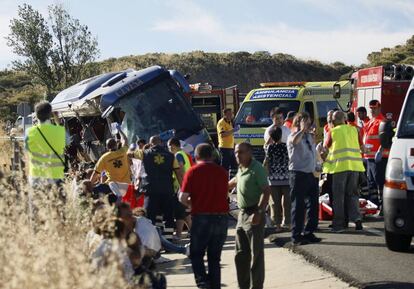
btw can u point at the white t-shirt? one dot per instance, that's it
(285, 133)
(92, 242)
(137, 169)
(148, 234)
(109, 249)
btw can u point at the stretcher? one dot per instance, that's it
(325, 210)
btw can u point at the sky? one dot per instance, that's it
(324, 30)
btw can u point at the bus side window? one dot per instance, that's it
(309, 109)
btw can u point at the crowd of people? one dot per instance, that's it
(144, 195)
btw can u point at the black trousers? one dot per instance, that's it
(161, 205)
(228, 160)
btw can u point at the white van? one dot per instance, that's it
(398, 197)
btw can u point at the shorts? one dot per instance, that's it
(180, 212)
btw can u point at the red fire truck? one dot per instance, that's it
(389, 86)
(209, 101)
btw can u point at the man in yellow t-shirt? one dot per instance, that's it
(225, 133)
(115, 162)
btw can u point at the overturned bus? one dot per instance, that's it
(145, 102)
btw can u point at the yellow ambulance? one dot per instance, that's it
(316, 98)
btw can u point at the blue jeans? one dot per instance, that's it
(304, 195)
(208, 233)
(169, 246)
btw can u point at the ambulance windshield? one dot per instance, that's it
(406, 128)
(257, 113)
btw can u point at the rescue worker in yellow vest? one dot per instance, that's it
(45, 144)
(182, 216)
(344, 162)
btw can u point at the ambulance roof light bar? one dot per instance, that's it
(283, 84)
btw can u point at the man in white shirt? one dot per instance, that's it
(277, 117)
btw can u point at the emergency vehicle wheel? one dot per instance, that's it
(397, 242)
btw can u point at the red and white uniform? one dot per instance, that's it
(371, 137)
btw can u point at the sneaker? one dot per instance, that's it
(358, 226)
(312, 238)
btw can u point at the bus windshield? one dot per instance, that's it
(158, 108)
(257, 113)
(406, 129)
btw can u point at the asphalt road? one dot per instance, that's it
(360, 258)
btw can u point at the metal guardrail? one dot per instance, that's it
(11, 138)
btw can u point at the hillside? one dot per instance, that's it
(245, 69)
(403, 54)
(225, 69)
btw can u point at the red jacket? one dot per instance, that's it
(371, 136)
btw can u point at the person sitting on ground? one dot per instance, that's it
(151, 238)
(94, 236)
(277, 160)
(113, 248)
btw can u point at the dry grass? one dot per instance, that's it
(5, 153)
(46, 251)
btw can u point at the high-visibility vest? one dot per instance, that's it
(187, 165)
(344, 154)
(187, 159)
(371, 137)
(43, 162)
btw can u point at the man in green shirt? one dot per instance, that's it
(253, 193)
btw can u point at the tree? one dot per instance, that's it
(55, 54)
(74, 45)
(30, 38)
(398, 54)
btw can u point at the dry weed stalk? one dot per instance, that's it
(47, 250)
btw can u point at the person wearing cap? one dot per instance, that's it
(289, 119)
(375, 156)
